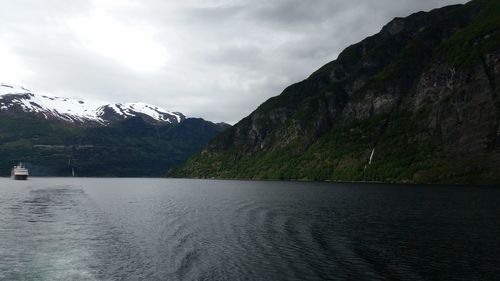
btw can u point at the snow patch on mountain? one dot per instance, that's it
(79, 110)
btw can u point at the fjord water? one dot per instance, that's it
(170, 229)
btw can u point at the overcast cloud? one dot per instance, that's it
(216, 59)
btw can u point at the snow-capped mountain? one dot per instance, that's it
(15, 99)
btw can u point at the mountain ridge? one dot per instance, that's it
(56, 136)
(417, 102)
(15, 100)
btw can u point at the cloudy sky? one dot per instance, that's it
(216, 59)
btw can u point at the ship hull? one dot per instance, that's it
(21, 177)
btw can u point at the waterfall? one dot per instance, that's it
(371, 156)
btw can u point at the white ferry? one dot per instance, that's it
(19, 172)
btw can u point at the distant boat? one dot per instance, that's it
(19, 172)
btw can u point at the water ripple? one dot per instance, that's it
(153, 229)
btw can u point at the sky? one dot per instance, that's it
(214, 59)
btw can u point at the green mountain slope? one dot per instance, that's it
(418, 102)
(130, 148)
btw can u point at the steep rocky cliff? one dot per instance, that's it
(417, 102)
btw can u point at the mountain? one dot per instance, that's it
(55, 136)
(14, 100)
(418, 102)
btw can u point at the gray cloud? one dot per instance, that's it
(216, 59)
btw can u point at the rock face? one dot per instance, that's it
(418, 102)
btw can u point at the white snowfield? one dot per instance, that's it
(78, 110)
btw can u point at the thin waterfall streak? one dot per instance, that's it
(371, 156)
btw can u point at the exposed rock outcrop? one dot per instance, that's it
(423, 92)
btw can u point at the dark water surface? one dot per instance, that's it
(165, 229)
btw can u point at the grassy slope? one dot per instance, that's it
(129, 148)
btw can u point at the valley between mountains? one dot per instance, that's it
(417, 102)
